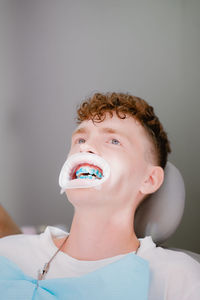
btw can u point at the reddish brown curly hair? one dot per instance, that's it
(96, 107)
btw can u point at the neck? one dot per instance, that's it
(95, 236)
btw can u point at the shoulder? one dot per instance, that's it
(172, 272)
(182, 274)
(29, 252)
(26, 245)
(169, 260)
(14, 245)
(176, 262)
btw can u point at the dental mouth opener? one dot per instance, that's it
(70, 178)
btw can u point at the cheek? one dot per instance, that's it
(120, 171)
(119, 167)
(127, 170)
(73, 148)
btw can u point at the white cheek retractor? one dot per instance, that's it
(68, 179)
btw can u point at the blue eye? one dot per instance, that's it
(115, 142)
(81, 141)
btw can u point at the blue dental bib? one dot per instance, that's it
(126, 278)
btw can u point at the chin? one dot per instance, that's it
(83, 195)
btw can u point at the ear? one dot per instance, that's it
(153, 180)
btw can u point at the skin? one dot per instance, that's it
(102, 225)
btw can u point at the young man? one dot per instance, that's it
(117, 156)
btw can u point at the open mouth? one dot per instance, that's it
(82, 170)
(87, 171)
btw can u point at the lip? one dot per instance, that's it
(65, 178)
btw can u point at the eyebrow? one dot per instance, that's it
(84, 130)
(115, 131)
(79, 131)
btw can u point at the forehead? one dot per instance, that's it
(129, 127)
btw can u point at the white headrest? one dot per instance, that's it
(160, 214)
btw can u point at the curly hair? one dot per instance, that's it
(96, 107)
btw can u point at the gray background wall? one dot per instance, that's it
(55, 53)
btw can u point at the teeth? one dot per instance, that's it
(90, 170)
(69, 179)
(87, 177)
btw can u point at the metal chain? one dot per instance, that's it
(45, 269)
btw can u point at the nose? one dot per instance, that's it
(87, 147)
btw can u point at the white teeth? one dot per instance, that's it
(74, 160)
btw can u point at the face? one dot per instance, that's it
(123, 143)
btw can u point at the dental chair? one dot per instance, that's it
(160, 214)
